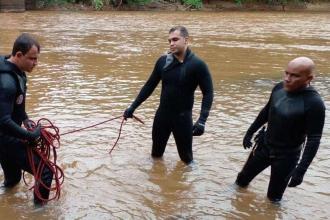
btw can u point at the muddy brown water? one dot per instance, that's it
(93, 64)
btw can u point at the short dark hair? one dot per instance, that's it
(182, 29)
(24, 43)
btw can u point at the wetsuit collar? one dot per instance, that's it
(12, 66)
(172, 61)
(187, 56)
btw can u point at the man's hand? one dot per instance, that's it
(296, 178)
(198, 128)
(128, 113)
(247, 141)
(35, 134)
(28, 124)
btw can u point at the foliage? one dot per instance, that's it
(193, 3)
(239, 2)
(98, 4)
(138, 2)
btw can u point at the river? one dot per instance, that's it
(91, 67)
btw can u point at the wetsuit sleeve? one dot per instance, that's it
(262, 117)
(315, 116)
(149, 86)
(25, 116)
(206, 86)
(260, 120)
(23, 112)
(7, 99)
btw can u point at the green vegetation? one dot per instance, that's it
(98, 4)
(193, 3)
(138, 2)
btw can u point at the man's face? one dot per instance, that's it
(296, 78)
(177, 42)
(28, 61)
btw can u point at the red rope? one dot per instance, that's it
(45, 149)
(94, 125)
(119, 133)
(120, 129)
(91, 126)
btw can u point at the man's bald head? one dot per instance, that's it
(302, 65)
(298, 74)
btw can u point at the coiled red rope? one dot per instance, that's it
(45, 148)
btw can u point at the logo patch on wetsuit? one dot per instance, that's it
(19, 99)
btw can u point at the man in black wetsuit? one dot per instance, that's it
(295, 116)
(180, 71)
(14, 138)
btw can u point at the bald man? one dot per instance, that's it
(295, 116)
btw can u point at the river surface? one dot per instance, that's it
(92, 66)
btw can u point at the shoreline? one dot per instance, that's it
(211, 6)
(208, 6)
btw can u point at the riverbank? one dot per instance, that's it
(216, 5)
(169, 5)
(208, 5)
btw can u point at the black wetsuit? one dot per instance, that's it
(174, 114)
(13, 149)
(292, 118)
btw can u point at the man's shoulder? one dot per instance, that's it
(7, 80)
(4, 67)
(278, 86)
(162, 58)
(313, 97)
(197, 64)
(196, 59)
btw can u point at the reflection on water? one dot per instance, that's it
(170, 190)
(93, 64)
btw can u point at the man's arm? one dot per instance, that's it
(314, 127)
(260, 120)
(146, 90)
(148, 87)
(262, 117)
(206, 86)
(7, 99)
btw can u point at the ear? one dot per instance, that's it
(310, 78)
(19, 54)
(186, 40)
